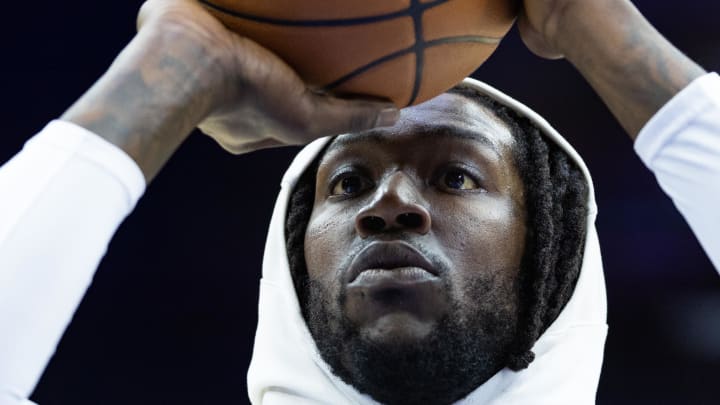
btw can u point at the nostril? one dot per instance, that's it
(410, 220)
(373, 224)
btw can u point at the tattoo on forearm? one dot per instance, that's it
(146, 103)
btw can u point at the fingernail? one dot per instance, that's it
(387, 117)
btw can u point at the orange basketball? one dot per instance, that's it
(404, 50)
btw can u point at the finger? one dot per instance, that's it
(252, 146)
(263, 144)
(151, 9)
(534, 40)
(331, 115)
(239, 148)
(142, 16)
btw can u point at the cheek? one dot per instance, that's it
(327, 242)
(486, 237)
(486, 246)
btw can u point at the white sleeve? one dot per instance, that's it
(61, 199)
(681, 145)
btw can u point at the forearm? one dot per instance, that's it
(629, 64)
(67, 192)
(151, 98)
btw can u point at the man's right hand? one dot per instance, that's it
(260, 101)
(185, 69)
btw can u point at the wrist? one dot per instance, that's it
(191, 62)
(570, 28)
(586, 31)
(157, 91)
(633, 68)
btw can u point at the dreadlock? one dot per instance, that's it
(298, 217)
(556, 204)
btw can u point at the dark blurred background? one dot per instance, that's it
(170, 318)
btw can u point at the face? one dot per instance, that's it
(413, 252)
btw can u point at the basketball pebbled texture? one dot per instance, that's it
(404, 50)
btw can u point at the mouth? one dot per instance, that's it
(393, 290)
(397, 260)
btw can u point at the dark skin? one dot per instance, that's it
(404, 249)
(237, 92)
(247, 99)
(466, 197)
(628, 63)
(185, 70)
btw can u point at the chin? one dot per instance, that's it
(405, 351)
(402, 358)
(398, 328)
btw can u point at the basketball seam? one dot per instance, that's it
(321, 23)
(429, 44)
(415, 10)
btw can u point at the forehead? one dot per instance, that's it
(447, 116)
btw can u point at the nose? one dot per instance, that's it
(396, 206)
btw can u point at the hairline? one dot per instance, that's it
(380, 135)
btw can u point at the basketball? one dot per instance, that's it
(404, 50)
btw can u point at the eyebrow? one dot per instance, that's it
(444, 131)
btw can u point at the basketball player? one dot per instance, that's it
(465, 271)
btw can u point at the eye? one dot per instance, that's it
(458, 180)
(348, 185)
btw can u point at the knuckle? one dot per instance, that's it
(308, 125)
(307, 122)
(358, 122)
(332, 117)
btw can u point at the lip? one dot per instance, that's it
(388, 256)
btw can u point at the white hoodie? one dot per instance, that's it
(286, 367)
(84, 187)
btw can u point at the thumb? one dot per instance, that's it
(534, 39)
(332, 115)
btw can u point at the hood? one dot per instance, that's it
(286, 367)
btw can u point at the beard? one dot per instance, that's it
(468, 345)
